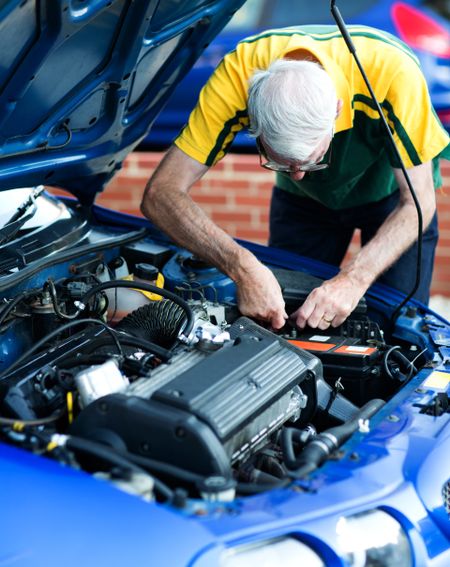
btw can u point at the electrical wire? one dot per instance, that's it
(54, 298)
(20, 424)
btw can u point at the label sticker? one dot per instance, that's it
(437, 380)
(356, 350)
(319, 338)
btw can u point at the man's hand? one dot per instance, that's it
(259, 296)
(330, 304)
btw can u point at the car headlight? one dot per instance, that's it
(288, 552)
(373, 538)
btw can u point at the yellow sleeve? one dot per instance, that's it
(221, 110)
(417, 130)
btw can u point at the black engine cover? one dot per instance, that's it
(218, 411)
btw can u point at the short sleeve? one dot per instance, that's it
(220, 113)
(418, 132)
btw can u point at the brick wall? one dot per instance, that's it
(236, 194)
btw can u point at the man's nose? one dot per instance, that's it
(297, 175)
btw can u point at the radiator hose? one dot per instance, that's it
(320, 447)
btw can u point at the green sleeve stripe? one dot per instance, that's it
(222, 136)
(398, 126)
(327, 35)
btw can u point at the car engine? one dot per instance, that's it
(133, 360)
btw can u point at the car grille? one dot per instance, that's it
(446, 496)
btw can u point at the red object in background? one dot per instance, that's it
(420, 31)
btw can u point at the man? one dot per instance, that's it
(304, 98)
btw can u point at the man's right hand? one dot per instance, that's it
(259, 295)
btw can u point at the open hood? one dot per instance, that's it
(81, 82)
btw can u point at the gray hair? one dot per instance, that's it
(292, 105)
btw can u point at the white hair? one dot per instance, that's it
(292, 106)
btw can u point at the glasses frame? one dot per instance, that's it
(304, 167)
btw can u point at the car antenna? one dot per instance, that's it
(351, 47)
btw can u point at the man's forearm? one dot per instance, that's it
(393, 238)
(179, 217)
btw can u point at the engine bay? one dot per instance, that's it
(126, 357)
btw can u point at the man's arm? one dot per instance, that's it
(167, 204)
(336, 298)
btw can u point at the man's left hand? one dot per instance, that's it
(330, 304)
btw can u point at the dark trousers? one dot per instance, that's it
(308, 228)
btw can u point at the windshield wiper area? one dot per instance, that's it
(20, 217)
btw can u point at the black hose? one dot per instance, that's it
(145, 287)
(247, 488)
(158, 322)
(10, 306)
(106, 453)
(321, 446)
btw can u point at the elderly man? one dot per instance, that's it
(306, 104)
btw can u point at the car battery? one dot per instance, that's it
(356, 365)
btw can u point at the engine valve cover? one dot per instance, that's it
(207, 410)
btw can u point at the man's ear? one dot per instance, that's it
(340, 104)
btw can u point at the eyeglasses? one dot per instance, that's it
(306, 167)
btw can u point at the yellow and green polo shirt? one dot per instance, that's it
(361, 166)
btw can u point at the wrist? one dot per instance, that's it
(360, 278)
(243, 265)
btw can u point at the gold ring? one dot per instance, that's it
(329, 321)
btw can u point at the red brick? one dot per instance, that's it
(210, 199)
(233, 216)
(258, 201)
(229, 184)
(255, 235)
(245, 166)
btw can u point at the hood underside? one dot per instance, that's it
(81, 82)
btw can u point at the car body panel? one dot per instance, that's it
(82, 82)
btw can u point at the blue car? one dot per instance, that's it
(143, 420)
(423, 24)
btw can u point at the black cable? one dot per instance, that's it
(10, 306)
(131, 340)
(402, 358)
(54, 298)
(385, 361)
(150, 288)
(166, 468)
(351, 47)
(106, 453)
(54, 334)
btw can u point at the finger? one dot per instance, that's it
(316, 317)
(323, 325)
(277, 322)
(303, 313)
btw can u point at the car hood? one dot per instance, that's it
(81, 82)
